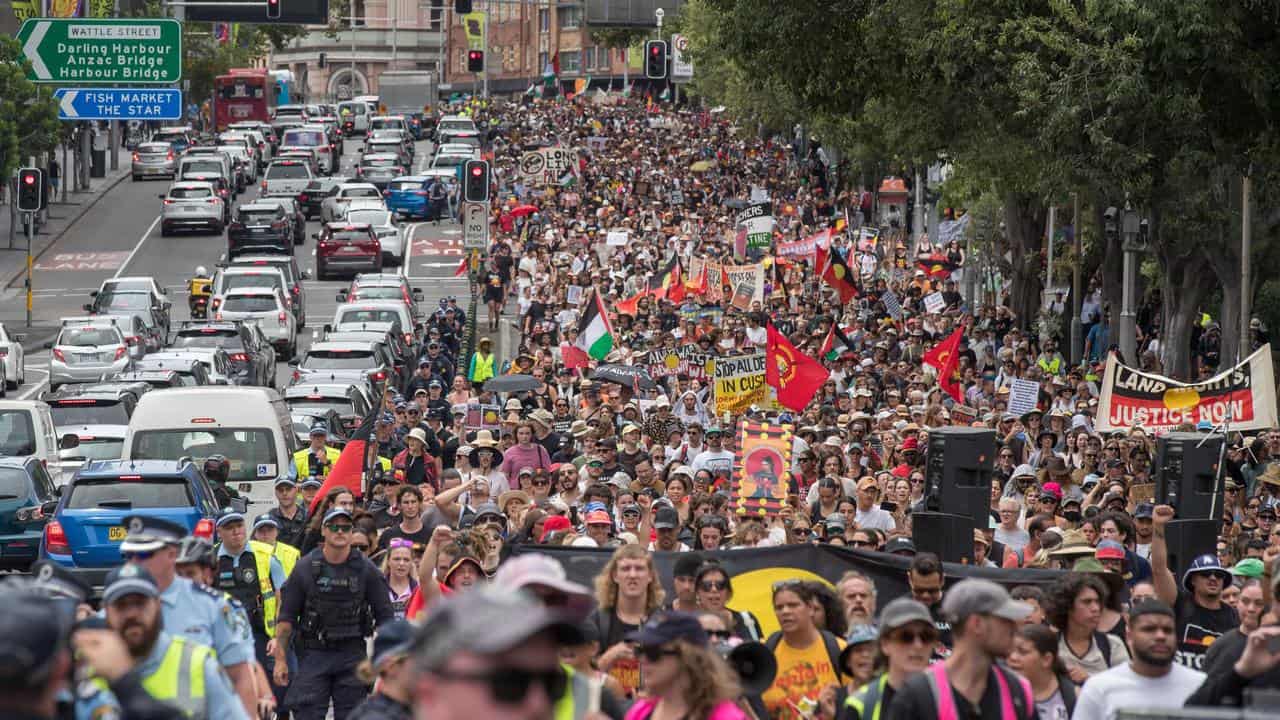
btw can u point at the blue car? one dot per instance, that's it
(85, 531)
(407, 195)
(25, 486)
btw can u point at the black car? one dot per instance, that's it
(259, 227)
(253, 359)
(317, 190)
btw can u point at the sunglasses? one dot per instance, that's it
(654, 654)
(541, 482)
(909, 637)
(509, 686)
(721, 635)
(338, 527)
(361, 547)
(863, 543)
(138, 555)
(710, 585)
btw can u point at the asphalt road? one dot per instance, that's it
(121, 237)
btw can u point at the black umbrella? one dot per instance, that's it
(735, 203)
(631, 376)
(511, 383)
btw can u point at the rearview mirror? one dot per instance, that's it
(293, 362)
(161, 196)
(306, 274)
(93, 293)
(48, 345)
(88, 307)
(69, 441)
(51, 507)
(327, 328)
(315, 236)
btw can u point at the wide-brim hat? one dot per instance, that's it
(484, 441)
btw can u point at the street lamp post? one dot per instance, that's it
(1131, 225)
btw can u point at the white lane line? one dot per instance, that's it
(136, 248)
(37, 387)
(408, 248)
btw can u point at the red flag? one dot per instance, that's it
(629, 306)
(462, 268)
(348, 469)
(573, 356)
(937, 267)
(833, 269)
(945, 356)
(828, 342)
(796, 377)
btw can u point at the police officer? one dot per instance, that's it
(266, 530)
(190, 609)
(247, 571)
(316, 460)
(174, 668)
(68, 596)
(289, 514)
(394, 672)
(331, 602)
(35, 659)
(309, 488)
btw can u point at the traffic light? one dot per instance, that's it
(655, 59)
(30, 189)
(475, 187)
(475, 61)
(273, 9)
(462, 7)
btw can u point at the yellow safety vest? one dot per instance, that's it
(179, 680)
(1050, 367)
(287, 555)
(262, 554)
(867, 698)
(302, 462)
(483, 367)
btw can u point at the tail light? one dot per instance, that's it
(279, 225)
(169, 156)
(55, 539)
(239, 357)
(204, 529)
(302, 197)
(167, 201)
(211, 201)
(59, 355)
(283, 318)
(217, 302)
(4, 352)
(133, 340)
(386, 193)
(379, 376)
(135, 157)
(120, 352)
(217, 316)
(294, 290)
(297, 376)
(264, 184)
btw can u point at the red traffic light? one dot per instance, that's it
(654, 50)
(29, 179)
(477, 171)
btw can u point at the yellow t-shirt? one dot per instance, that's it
(802, 673)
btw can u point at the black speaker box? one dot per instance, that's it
(946, 535)
(1187, 539)
(1186, 475)
(958, 472)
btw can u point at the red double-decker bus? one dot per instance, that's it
(243, 94)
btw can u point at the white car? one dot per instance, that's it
(385, 228)
(334, 207)
(267, 307)
(14, 357)
(192, 204)
(313, 137)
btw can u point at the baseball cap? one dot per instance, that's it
(285, 480)
(553, 524)
(31, 636)
(1109, 550)
(537, 570)
(666, 518)
(265, 519)
(1248, 567)
(669, 627)
(228, 518)
(59, 581)
(393, 640)
(599, 517)
(900, 546)
(1144, 511)
(976, 596)
(335, 513)
(129, 579)
(309, 483)
(480, 621)
(901, 611)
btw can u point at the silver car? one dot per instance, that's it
(154, 159)
(87, 349)
(192, 205)
(267, 307)
(140, 338)
(286, 177)
(383, 226)
(334, 207)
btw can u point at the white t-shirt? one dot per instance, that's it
(1121, 688)
(713, 460)
(875, 518)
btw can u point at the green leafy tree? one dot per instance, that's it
(29, 122)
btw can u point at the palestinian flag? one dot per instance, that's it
(595, 335)
(828, 351)
(937, 267)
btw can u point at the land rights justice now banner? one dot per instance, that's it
(1159, 404)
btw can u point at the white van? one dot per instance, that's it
(249, 426)
(354, 117)
(26, 430)
(311, 137)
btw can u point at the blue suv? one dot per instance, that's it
(85, 531)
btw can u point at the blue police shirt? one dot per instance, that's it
(277, 569)
(221, 700)
(203, 615)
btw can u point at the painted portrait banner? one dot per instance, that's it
(762, 460)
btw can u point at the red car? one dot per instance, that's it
(347, 247)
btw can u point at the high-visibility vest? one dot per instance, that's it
(482, 367)
(302, 461)
(1050, 367)
(262, 554)
(577, 699)
(179, 680)
(866, 700)
(287, 555)
(1012, 706)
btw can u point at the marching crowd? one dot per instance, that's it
(604, 442)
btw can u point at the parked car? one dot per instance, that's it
(14, 357)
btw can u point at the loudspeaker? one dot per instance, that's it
(755, 665)
(1187, 539)
(957, 472)
(948, 536)
(1186, 474)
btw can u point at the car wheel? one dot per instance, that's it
(165, 231)
(217, 228)
(136, 178)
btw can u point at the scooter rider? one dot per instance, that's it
(199, 288)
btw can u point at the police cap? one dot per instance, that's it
(148, 534)
(59, 581)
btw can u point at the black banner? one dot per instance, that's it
(754, 570)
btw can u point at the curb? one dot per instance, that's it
(70, 223)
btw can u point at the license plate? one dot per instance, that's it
(188, 209)
(116, 533)
(349, 250)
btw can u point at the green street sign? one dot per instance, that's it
(147, 50)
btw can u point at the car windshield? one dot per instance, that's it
(228, 340)
(88, 412)
(339, 360)
(368, 316)
(124, 301)
(374, 218)
(256, 216)
(97, 448)
(154, 149)
(170, 136)
(320, 404)
(202, 166)
(288, 171)
(251, 451)
(381, 292)
(236, 282)
(250, 303)
(152, 492)
(406, 185)
(17, 433)
(378, 162)
(306, 138)
(349, 236)
(459, 125)
(450, 160)
(360, 192)
(88, 337)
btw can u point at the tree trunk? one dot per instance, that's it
(1184, 287)
(1024, 218)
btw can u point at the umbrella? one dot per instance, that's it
(630, 376)
(524, 210)
(700, 166)
(735, 203)
(510, 383)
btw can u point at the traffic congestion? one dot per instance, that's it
(679, 428)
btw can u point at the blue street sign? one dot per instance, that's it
(118, 104)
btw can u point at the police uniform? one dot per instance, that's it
(302, 462)
(332, 609)
(253, 577)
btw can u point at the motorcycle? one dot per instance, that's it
(198, 299)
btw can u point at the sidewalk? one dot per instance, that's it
(61, 218)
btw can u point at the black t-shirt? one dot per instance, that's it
(421, 537)
(914, 701)
(1199, 627)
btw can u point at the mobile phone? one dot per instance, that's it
(889, 506)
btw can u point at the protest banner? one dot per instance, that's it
(747, 283)
(757, 219)
(616, 238)
(477, 416)
(763, 462)
(891, 304)
(573, 295)
(545, 166)
(685, 360)
(1023, 396)
(739, 383)
(868, 237)
(868, 264)
(934, 303)
(805, 247)
(715, 283)
(1158, 404)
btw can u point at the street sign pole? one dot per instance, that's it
(475, 226)
(30, 222)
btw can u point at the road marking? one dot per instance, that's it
(409, 232)
(36, 387)
(137, 247)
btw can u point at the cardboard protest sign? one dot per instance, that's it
(934, 303)
(681, 360)
(545, 166)
(868, 238)
(487, 416)
(739, 383)
(758, 220)
(747, 283)
(762, 460)
(616, 238)
(573, 294)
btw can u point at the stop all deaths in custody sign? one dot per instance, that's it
(147, 50)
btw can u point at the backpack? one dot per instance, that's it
(1104, 646)
(828, 640)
